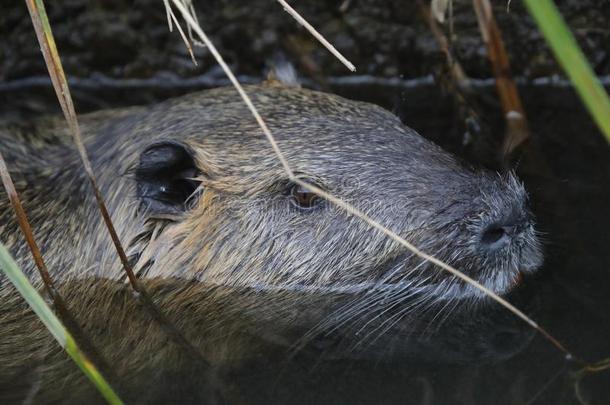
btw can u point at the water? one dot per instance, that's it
(566, 171)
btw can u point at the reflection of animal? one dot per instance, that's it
(229, 247)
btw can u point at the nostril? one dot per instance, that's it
(494, 237)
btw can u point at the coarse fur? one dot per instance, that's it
(238, 263)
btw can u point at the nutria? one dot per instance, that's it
(232, 252)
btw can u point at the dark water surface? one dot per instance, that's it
(566, 170)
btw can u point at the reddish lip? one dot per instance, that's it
(517, 281)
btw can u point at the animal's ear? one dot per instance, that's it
(165, 178)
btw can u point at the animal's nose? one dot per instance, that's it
(500, 233)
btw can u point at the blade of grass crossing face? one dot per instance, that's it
(52, 323)
(572, 60)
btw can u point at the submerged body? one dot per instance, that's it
(234, 254)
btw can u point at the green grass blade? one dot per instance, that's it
(572, 60)
(63, 337)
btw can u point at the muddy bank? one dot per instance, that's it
(119, 53)
(382, 38)
(121, 41)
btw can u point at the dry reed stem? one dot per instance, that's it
(458, 85)
(455, 68)
(204, 38)
(439, 8)
(60, 84)
(517, 130)
(171, 17)
(317, 35)
(26, 229)
(349, 208)
(64, 314)
(579, 375)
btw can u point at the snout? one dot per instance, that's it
(505, 230)
(504, 236)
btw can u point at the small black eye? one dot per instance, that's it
(303, 198)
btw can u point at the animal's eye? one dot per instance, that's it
(303, 198)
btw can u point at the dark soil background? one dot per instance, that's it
(121, 53)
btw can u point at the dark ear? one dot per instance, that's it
(164, 178)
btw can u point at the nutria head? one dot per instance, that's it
(199, 198)
(232, 217)
(214, 205)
